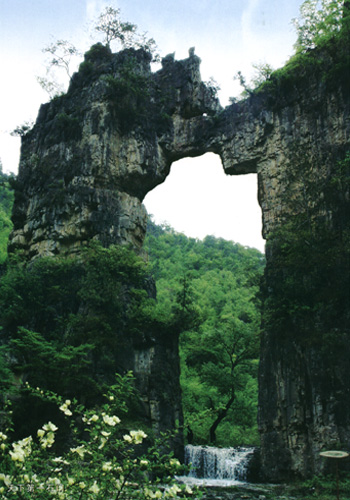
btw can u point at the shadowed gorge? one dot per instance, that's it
(95, 153)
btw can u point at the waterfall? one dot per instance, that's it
(211, 465)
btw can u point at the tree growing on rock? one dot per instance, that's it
(108, 24)
(318, 20)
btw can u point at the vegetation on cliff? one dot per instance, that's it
(6, 201)
(308, 291)
(321, 50)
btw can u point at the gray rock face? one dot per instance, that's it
(96, 152)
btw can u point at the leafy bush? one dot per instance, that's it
(71, 323)
(102, 460)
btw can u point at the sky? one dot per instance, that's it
(229, 36)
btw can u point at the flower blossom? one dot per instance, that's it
(64, 408)
(107, 466)
(111, 420)
(6, 478)
(94, 488)
(79, 450)
(173, 491)
(21, 449)
(135, 437)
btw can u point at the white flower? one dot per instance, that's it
(17, 456)
(173, 491)
(152, 494)
(54, 480)
(21, 449)
(46, 440)
(111, 420)
(94, 418)
(103, 442)
(137, 436)
(127, 438)
(79, 450)
(64, 408)
(3, 436)
(174, 462)
(82, 485)
(107, 466)
(50, 427)
(6, 478)
(94, 488)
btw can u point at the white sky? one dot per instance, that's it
(229, 36)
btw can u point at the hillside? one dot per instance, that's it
(215, 283)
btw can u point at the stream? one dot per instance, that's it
(221, 473)
(210, 466)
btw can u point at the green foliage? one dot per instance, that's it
(211, 288)
(6, 202)
(63, 53)
(308, 292)
(97, 53)
(112, 28)
(318, 21)
(110, 25)
(328, 62)
(322, 51)
(68, 128)
(263, 72)
(103, 458)
(128, 93)
(323, 487)
(71, 323)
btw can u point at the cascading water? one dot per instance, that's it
(216, 466)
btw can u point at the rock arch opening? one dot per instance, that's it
(199, 199)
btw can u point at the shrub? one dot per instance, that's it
(103, 460)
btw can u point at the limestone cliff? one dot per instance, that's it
(95, 153)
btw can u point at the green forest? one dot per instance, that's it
(207, 292)
(72, 424)
(213, 286)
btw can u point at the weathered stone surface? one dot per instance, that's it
(95, 153)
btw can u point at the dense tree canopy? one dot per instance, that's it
(215, 284)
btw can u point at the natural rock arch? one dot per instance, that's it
(95, 152)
